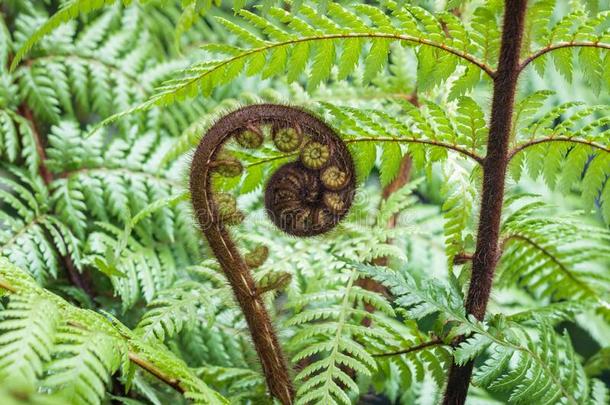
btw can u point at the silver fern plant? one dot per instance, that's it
(110, 294)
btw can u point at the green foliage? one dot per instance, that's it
(286, 42)
(538, 365)
(50, 343)
(32, 235)
(546, 255)
(541, 368)
(335, 340)
(109, 280)
(565, 153)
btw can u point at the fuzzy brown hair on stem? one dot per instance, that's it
(487, 252)
(305, 197)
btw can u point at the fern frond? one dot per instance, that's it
(77, 349)
(177, 308)
(94, 190)
(241, 384)
(573, 151)
(542, 368)
(31, 235)
(334, 341)
(28, 327)
(17, 139)
(545, 255)
(419, 298)
(576, 30)
(83, 363)
(413, 355)
(458, 209)
(67, 12)
(311, 38)
(426, 139)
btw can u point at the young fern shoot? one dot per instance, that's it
(305, 197)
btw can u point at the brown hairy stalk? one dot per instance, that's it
(305, 197)
(487, 251)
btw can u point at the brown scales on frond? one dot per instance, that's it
(306, 197)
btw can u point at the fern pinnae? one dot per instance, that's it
(80, 363)
(321, 32)
(109, 205)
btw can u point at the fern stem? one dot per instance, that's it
(528, 144)
(259, 323)
(148, 366)
(495, 165)
(209, 216)
(435, 342)
(553, 47)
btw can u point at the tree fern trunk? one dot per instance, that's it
(494, 173)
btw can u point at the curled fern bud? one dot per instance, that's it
(301, 198)
(287, 139)
(257, 257)
(274, 281)
(227, 166)
(251, 138)
(227, 209)
(334, 178)
(315, 155)
(334, 202)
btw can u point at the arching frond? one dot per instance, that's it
(568, 146)
(73, 351)
(291, 41)
(554, 257)
(577, 37)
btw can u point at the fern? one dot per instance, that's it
(316, 38)
(543, 370)
(34, 236)
(576, 30)
(28, 329)
(524, 364)
(538, 250)
(569, 145)
(79, 349)
(111, 295)
(82, 362)
(174, 309)
(335, 341)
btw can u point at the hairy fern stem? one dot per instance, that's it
(306, 197)
(496, 161)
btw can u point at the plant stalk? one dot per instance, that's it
(487, 251)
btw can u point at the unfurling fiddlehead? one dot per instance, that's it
(305, 197)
